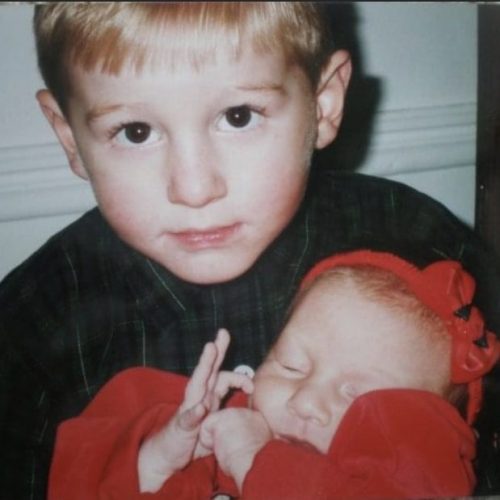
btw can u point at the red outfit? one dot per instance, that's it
(391, 443)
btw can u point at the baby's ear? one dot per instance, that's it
(330, 96)
(62, 129)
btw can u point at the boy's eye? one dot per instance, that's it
(136, 133)
(239, 117)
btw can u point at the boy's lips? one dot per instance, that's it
(198, 239)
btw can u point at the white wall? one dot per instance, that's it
(424, 131)
(426, 55)
(38, 193)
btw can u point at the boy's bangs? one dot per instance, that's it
(173, 33)
(108, 36)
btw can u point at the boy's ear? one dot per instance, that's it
(330, 96)
(62, 129)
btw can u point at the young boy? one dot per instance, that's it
(353, 400)
(194, 124)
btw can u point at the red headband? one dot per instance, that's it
(447, 289)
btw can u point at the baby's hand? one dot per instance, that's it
(224, 383)
(173, 447)
(235, 435)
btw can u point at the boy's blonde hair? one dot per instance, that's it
(108, 35)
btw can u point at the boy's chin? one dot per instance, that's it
(210, 277)
(211, 273)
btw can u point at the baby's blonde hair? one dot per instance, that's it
(383, 287)
(105, 36)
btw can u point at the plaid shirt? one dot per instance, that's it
(86, 306)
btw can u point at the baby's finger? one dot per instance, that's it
(197, 386)
(225, 382)
(206, 436)
(221, 343)
(232, 380)
(191, 418)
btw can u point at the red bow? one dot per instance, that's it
(447, 289)
(475, 350)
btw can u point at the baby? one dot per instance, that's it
(366, 382)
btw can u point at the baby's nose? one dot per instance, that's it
(311, 402)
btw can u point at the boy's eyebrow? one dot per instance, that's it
(98, 111)
(263, 87)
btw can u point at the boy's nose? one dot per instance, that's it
(193, 179)
(311, 402)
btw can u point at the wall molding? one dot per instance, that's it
(422, 139)
(35, 180)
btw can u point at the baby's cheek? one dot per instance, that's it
(257, 400)
(266, 399)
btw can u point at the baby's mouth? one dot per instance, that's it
(298, 442)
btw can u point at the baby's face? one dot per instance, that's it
(339, 345)
(198, 169)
